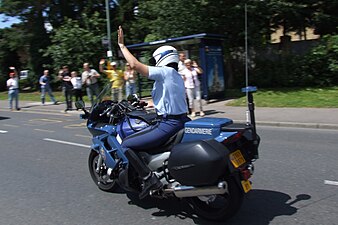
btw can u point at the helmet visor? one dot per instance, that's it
(152, 60)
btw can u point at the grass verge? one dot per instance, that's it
(291, 97)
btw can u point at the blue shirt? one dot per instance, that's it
(168, 91)
(45, 80)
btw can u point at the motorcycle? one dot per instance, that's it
(208, 163)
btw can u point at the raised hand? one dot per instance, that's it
(120, 37)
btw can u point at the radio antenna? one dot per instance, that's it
(246, 57)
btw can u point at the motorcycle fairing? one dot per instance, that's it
(107, 146)
(130, 126)
(101, 128)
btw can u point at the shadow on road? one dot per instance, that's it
(212, 112)
(4, 118)
(260, 207)
(38, 104)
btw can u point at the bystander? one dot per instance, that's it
(45, 87)
(13, 88)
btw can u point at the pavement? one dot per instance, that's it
(323, 118)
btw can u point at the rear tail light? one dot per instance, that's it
(233, 138)
(246, 174)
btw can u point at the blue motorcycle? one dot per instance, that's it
(208, 163)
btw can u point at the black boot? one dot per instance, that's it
(150, 183)
(150, 180)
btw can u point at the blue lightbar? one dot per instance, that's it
(249, 89)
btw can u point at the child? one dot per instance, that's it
(77, 86)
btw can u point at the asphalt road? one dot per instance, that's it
(45, 180)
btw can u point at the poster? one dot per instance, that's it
(215, 75)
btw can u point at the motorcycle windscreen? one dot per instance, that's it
(198, 163)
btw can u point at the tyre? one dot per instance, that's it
(219, 207)
(105, 184)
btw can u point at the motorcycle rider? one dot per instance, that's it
(168, 95)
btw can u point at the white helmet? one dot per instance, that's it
(164, 55)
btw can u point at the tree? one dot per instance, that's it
(36, 14)
(325, 17)
(150, 20)
(73, 44)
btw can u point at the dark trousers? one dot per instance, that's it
(78, 94)
(67, 91)
(92, 89)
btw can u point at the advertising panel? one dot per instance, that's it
(214, 71)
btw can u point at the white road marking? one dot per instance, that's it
(9, 125)
(330, 182)
(85, 136)
(3, 131)
(51, 131)
(66, 142)
(44, 113)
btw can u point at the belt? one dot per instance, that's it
(179, 116)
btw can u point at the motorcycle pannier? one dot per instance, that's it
(198, 163)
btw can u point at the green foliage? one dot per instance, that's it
(319, 67)
(77, 33)
(329, 50)
(73, 43)
(293, 97)
(321, 63)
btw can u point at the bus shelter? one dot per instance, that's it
(204, 48)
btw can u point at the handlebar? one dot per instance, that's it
(115, 110)
(105, 111)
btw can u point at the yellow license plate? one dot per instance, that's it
(246, 185)
(237, 158)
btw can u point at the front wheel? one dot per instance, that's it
(219, 207)
(101, 179)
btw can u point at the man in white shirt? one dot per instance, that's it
(13, 89)
(181, 65)
(90, 79)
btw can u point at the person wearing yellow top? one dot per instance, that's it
(116, 77)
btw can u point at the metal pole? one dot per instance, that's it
(109, 52)
(246, 47)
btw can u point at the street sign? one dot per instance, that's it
(104, 41)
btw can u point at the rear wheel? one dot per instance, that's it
(101, 179)
(219, 207)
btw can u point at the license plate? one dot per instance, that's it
(237, 158)
(246, 185)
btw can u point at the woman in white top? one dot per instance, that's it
(192, 85)
(129, 77)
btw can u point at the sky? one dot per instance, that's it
(8, 23)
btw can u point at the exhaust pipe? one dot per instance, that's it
(190, 191)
